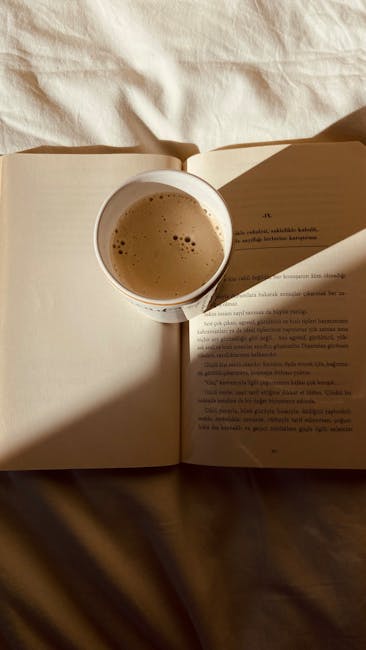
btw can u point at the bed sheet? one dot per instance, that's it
(205, 72)
(185, 557)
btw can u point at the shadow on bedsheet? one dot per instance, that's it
(351, 127)
(181, 150)
(185, 558)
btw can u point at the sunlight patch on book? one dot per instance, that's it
(220, 167)
(294, 201)
(80, 369)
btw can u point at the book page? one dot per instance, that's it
(86, 380)
(275, 373)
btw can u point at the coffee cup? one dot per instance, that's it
(164, 240)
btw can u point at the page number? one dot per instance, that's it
(266, 215)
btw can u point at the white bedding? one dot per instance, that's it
(181, 558)
(207, 72)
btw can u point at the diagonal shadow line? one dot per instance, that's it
(181, 150)
(99, 437)
(350, 127)
(255, 445)
(262, 187)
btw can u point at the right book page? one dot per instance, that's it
(275, 371)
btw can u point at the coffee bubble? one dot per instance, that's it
(169, 260)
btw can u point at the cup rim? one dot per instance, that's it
(163, 302)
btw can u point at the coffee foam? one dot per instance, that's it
(166, 245)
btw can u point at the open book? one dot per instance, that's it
(274, 374)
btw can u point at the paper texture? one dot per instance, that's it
(85, 380)
(276, 372)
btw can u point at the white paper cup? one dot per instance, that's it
(181, 308)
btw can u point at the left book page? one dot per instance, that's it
(85, 380)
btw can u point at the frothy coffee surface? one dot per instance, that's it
(166, 245)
